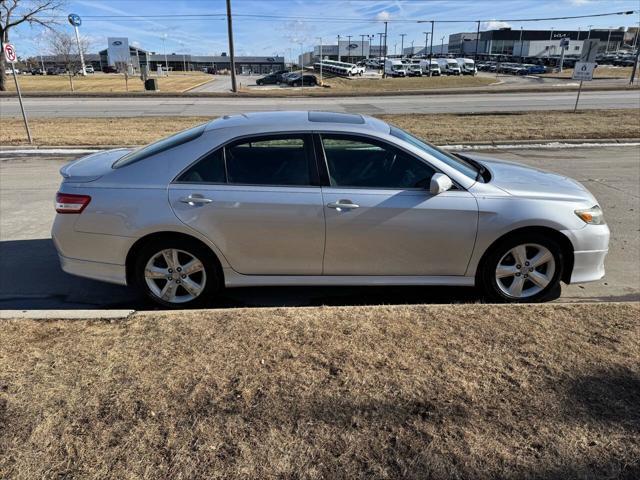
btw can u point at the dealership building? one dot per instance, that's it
(344, 51)
(526, 43)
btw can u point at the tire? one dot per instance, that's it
(259, 84)
(207, 279)
(530, 283)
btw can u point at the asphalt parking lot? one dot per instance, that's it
(31, 277)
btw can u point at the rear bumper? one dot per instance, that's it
(105, 272)
(591, 245)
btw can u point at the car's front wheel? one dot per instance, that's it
(522, 268)
(176, 274)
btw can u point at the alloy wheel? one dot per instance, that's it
(525, 270)
(175, 276)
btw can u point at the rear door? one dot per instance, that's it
(259, 201)
(381, 218)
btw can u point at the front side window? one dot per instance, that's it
(275, 160)
(355, 161)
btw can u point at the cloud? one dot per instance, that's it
(383, 15)
(579, 3)
(494, 25)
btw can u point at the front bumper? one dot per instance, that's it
(591, 245)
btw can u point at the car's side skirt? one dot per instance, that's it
(235, 279)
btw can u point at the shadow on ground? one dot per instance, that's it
(33, 280)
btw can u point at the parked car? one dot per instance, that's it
(38, 71)
(297, 80)
(535, 69)
(320, 198)
(109, 69)
(89, 69)
(272, 78)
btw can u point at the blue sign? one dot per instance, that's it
(74, 19)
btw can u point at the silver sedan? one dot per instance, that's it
(318, 198)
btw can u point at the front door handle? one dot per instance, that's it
(195, 199)
(341, 205)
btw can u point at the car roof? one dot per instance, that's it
(299, 120)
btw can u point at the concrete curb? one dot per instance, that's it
(328, 94)
(67, 314)
(61, 149)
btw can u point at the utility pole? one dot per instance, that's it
(635, 66)
(426, 43)
(384, 75)
(402, 35)
(232, 59)
(475, 55)
(431, 48)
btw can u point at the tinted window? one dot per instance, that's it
(360, 162)
(208, 170)
(274, 160)
(160, 146)
(459, 164)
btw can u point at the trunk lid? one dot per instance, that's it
(92, 167)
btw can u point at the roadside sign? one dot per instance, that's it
(583, 71)
(11, 56)
(74, 19)
(589, 50)
(10, 53)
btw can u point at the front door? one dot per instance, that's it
(259, 202)
(381, 218)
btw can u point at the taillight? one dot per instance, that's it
(70, 203)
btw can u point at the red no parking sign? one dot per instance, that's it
(10, 52)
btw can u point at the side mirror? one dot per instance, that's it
(439, 183)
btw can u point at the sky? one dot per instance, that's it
(308, 20)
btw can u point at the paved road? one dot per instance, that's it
(31, 277)
(169, 106)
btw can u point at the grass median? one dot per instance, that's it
(107, 83)
(467, 391)
(437, 128)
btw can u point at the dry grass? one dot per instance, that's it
(338, 85)
(475, 391)
(437, 128)
(601, 72)
(106, 83)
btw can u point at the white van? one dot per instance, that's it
(448, 66)
(395, 68)
(435, 68)
(467, 66)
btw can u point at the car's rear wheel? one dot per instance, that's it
(522, 268)
(177, 273)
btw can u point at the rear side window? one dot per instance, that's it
(160, 146)
(275, 160)
(208, 170)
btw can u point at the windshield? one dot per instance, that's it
(397, 67)
(459, 164)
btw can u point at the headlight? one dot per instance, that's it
(591, 215)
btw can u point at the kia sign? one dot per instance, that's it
(74, 19)
(10, 53)
(118, 50)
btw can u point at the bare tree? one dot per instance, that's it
(16, 12)
(63, 46)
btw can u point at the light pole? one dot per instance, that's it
(338, 47)
(412, 47)
(442, 45)
(384, 75)
(320, 38)
(380, 49)
(232, 57)
(349, 48)
(521, 44)
(402, 35)
(608, 40)
(164, 49)
(550, 40)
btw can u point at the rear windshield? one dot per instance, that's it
(160, 146)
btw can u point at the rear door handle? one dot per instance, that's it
(195, 199)
(341, 205)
